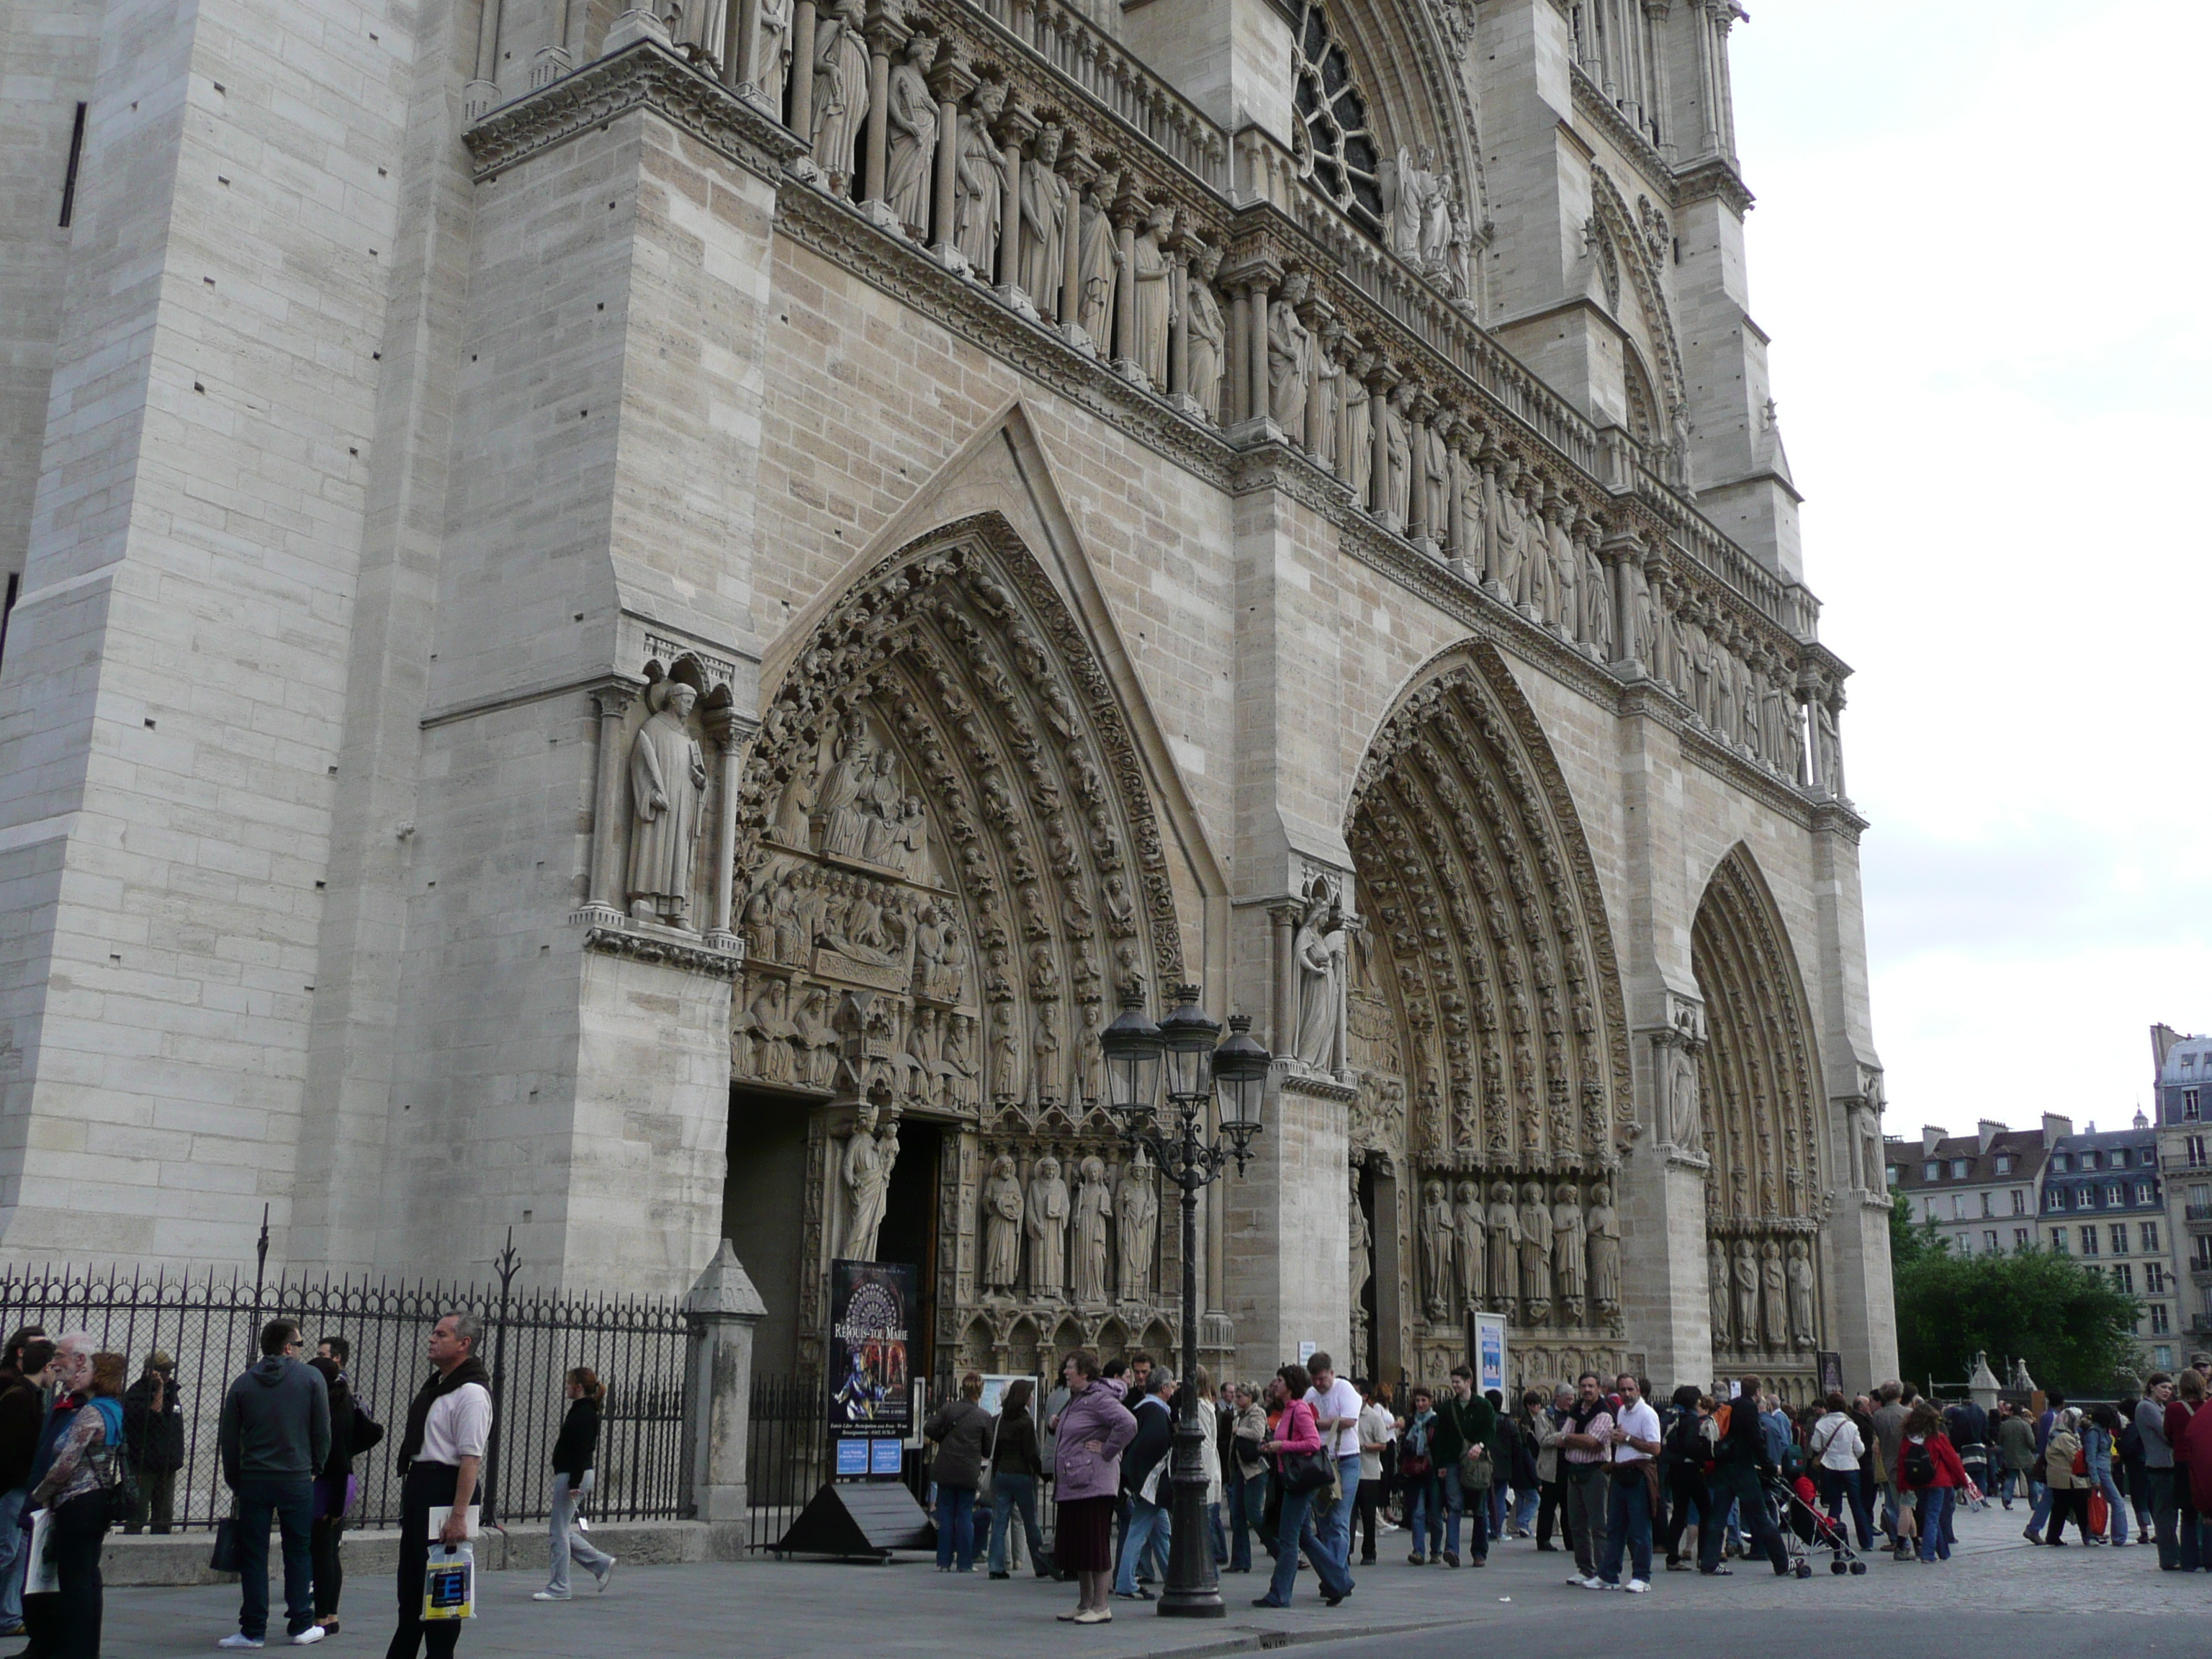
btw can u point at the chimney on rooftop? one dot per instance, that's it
(1930, 1134)
(1990, 1129)
(2056, 1127)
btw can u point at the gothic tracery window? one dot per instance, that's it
(1340, 153)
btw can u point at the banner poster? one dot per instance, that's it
(871, 1306)
(1830, 1364)
(1489, 1352)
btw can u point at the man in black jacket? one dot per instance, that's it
(1737, 1462)
(153, 1432)
(22, 1419)
(1148, 1517)
(274, 1438)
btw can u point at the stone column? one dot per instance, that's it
(950, 80)
(1662, 99)
(1262, 288)
(1456, 514)
(613, 700)
(740, 40)
(1283, 921)
(481, 95)
(802, 70)
(885, 33)
(1015, 125)
(1240, 354)
(1618, 550)
(1179, 321)
(728, 738)
(1127, 208)
(721, 1310)
(1078, 173)
(1420, 407)
(1378, 435)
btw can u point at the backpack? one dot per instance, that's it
(118, 1488)
(1710, 1431)
(1918, 1465)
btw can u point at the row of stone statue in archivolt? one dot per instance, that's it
(948, 136)
(1541, 1253)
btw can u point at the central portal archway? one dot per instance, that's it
(1487, 1029)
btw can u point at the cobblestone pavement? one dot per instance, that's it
(799, 1609)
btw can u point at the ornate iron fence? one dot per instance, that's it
(210, 1325)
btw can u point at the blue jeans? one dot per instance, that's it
(1247, 1497)
(291, 1504)
(1455, 1504)
(1149, 1528)
(1628, 1526)
(1935, 1509)
(2042, 1507)
(1335, 1528)
(1220, 1542)
(1524, 1508)
(12, 1539)
(1425, 1512)
(1012, 1495)
(1838, 1486)
(955, 1526)
(1328, 1567)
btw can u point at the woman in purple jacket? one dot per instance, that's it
(1094, 1427)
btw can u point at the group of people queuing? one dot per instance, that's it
(2149, 1455)
(89, 1453)
(1316, 1465)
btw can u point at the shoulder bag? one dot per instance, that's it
(1475, 1470)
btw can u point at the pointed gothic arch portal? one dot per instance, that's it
(948, 862)
(1764, 1125)
(1488, 1027)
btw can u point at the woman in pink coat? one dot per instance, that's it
(1094, 1426)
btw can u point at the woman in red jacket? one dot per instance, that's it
(1928, 1467)
(2186, 1423)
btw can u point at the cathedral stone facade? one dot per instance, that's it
(633, 624)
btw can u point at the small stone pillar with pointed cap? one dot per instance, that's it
(723, 1308)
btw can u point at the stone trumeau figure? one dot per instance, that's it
(668, 796)
(1002, 1226)
(1136, 1219)
(868, 1160)
(1048, 1226)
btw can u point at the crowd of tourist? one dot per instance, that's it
(1318, 1467)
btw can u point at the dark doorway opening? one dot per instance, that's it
(764, 1214)
(909, 1233)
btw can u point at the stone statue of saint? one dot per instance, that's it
(1363, 1244)
(769, 1024)
(1716, 1276)
(868, 1160)
(1098, 264)
(1747, 1295)
(1137, 1222)
(1319, 952)
(668, 794)
(1094, 1208)
(1569, 1243)
(840, 91)
(772, 58)
(1156, 306)
(1048, 1225)
(1683, 1126)
(1044, 1053)
(1774, 1280)
(1604, 1251)
(1002, 1226)
(1436, 1227)
(1207, 345)
(979, 183)
(1510, 525)
(1803, 1327)
(1535, 1254)
(1290, 361)
(1504, 1244)
(1398, 453)
(1467, 1216)
(1044, 201)
(817, 1038)
(912, 123)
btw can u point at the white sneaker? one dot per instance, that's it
(605, 1573)
(239, 1639)
(1591, 1583)
(1636, 1586)
(309, 1637)
(549, 1595)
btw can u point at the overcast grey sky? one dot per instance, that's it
(1981, 256)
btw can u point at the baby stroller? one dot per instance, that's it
(1805, 1529)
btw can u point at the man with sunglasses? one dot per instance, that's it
(275, 1436)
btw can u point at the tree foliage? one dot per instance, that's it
(2070, 1324)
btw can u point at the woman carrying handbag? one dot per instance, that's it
(1303, 1473)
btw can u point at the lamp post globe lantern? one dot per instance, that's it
(1188, 1153)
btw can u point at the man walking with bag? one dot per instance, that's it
(275, 1437)
(440, 1456)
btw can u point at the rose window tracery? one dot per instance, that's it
(1340, 153)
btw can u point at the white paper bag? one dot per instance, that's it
(39, 1577)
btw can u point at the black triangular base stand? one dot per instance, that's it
(860, 1519)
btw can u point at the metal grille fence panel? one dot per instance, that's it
(639, 1346)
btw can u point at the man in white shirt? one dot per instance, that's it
(1630, 1448)
(1336, 1406)
(1376, 1429)
(442, 1454)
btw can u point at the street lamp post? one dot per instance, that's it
(1193, 1156)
